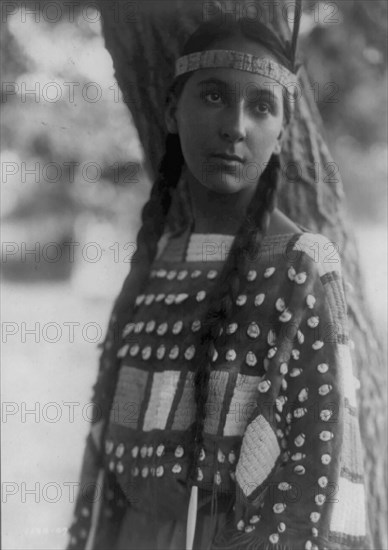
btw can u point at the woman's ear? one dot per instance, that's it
(170, 114)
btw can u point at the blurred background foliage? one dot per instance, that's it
(345, 47)
(72, 172)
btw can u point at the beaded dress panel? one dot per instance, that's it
(281, 434)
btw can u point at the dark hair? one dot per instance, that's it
(250, 235)
(226, 26)
(153, 219)
(246, 244)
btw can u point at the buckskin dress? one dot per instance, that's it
(281, 465)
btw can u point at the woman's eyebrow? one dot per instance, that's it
(213, 80)
(265, 91)
(260, 92)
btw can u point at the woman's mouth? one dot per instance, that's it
(226, 163)
(225, 158)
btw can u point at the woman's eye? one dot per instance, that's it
(263, 108)
(213, 97)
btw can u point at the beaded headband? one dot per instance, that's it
(235, 60)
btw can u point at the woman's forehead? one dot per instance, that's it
(234, 79)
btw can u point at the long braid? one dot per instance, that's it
(247, 244)
(153, 217)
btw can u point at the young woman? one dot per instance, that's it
(225, 403)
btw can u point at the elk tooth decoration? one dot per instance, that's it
(171, 274)
(272, 352)
(128, 329)
(169, 299)
(323, 481)
(310, 301)
(254, 519)
(300, 412)
(231, 328)
(232, 457)
(139, 327)
(322, 368)
(318, 344)
(259, 299)
(280, 304)
(179, 451)
(230, 355)
(279, 507)
(253, 330)
(182, 275)
(140, 299)
(285, 316)
(220, 456)
(150, 326)
(300, 278)
(201, 295)
(269, 272)
(264, 386)
(313, 321)
(123, 351)
(295, 372)
(284, 486)
(303, 395)
(212, 274)
(299, 440)
(325, 415)
(283, 368)
(160, 352)
(149, 299)
(325, 389)
(251, 276)
(251, 359)
(177, 327)
(180, 298)
(160, 450)
(241, 300)
(190, 352)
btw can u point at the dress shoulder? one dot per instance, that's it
(299, 477)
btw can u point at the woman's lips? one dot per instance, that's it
(224, 162)
(220, 163)
(226, 158)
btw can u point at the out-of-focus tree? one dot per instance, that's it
(346, 45)
(347, 62)
(61, 149)
(143, 47)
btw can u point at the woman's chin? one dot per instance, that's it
(225, 184)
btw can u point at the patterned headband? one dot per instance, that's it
(235, 60)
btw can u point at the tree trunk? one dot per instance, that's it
(144, 39)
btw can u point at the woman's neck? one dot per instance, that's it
(224, 213)
(214, 212)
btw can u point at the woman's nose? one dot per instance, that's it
(233, 124)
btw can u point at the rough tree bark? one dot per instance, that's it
(144, 39)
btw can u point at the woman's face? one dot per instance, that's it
(229, 122)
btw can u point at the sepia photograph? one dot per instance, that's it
(194, 274)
